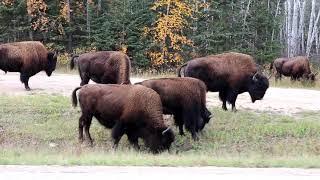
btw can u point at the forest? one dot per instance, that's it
(163, 34)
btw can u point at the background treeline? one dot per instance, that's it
(165, 33)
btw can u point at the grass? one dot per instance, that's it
(42, 129)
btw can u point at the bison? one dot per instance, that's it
(28, 58)
(229, 74)
(133, 110)
(277, 65)
(185, 98)
(295, 67)
(106, 67)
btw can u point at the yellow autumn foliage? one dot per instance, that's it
(167, 30)
(37, 10)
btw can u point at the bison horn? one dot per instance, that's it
(254, 77)
(316, 73)
(163, 132)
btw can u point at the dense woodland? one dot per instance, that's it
(166, 33)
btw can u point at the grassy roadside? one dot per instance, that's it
(42, 129)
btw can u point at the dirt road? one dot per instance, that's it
(141, 173)
(280, 100)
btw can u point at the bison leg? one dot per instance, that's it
(87, 123)
(223, 98)
(277, 76)
(133, 139)
(232, 97)
(81, 129)
(84, 78)
(179, 122)
(117, 132)
(24, 78)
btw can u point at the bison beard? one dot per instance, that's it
(106, 67)
(28, 58)
(229, 74)
(185, 99)
(133, 110)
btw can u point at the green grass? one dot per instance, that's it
(42, 129)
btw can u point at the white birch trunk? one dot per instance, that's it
(276, 15)
(313, 32)
(301, 47)
(294, 30)
(311, 20)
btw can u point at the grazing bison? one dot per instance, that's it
(229, 74)
(128, 109)
(185, 98)
(296, 68)
(28, 58)
(277, 65)
(106, 67)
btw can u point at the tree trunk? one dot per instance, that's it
(313, 29)
(276, 15)
(70, 24)
(301, 48)
(30, 29)
(294, 30)
(88, 19)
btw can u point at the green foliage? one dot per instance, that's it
(214, 27)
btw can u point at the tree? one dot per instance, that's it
(167, 31)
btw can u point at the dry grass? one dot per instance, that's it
(42, 129)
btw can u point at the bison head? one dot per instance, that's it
(159, 140)
(312, 76)
(51, 64)
(205, 118)
(258, 85)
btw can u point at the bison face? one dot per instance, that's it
(159, 140)
(258, 86)
(52, 61)
(312, 77)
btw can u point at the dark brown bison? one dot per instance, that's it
(106, 67)
(295, 67)
(128, 109)
(28, 58)
(229, 74)
(277, 65)
(185, 98)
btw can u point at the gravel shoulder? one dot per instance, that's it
(279, 100)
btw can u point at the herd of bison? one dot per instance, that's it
(137, 110)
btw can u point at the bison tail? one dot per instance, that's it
(72, 61)
(74, 96)
(181, 68)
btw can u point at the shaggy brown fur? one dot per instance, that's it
(128, 109)
(28, 58)
(277, 65)
(230, 74)
(296, 68)
(106, 67)
(185, 98)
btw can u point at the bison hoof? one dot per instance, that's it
(28, 89)
(195, 137)
(182, 134)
